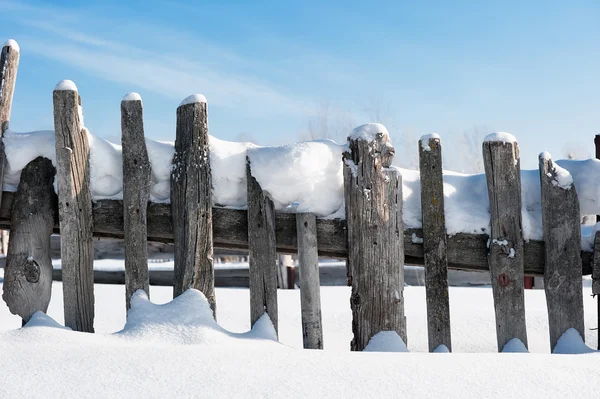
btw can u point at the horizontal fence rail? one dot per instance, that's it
(230, 231)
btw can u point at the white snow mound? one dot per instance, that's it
(386, 341)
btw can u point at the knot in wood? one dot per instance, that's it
(503, 280)
(31, 271)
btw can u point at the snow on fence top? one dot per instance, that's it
(501, 137)
(563, 178)
(307, 176)
(12, 44)
(66, 85)
(368, 132)
(194, 98)
(132, 97)
(425, 140)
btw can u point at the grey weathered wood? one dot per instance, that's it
(562, 235)
(505, 257)
(596, 266)
(434, 243)
(28, 272)
(9, 64)
(230, 231)
(262, 252)
(310, 284)
(136, 193)
(191, 203)
(75, 211)
(373, 195)
(282, 281)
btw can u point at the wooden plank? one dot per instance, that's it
(262, 252)
(596, 266)
(373, 195)
(9, 64)
(28, 272)
(434, 243)
(562, 235)
(505, 257)
(310, 284)
(191, 202)
(74, 208)
(230, 231)
(136, 194)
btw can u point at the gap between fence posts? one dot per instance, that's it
(505, 256)
(74, 208)
(373, 195)
(9, 64)
(562, 236)
(136, 193)
(262, 252)
(434, 242)
(191, 202)
(310, 284)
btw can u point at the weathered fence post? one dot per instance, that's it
(373, 195)
(9, 64)
(505, 256)
(434, 242)
(136, 193)
(310, 286)
(28, 271)
(75, 208)
(562, 239)
(191, 201)
(262, 252)
(596, 277)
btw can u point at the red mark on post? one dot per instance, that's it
(503, 280)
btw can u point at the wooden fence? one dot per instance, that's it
(372, 237)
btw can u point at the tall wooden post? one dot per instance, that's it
(505, 256)
(191, 201)
(75, 208)
(434, 242)
(262, 251)
(562, 239)
(136, 193)
(9, 64)
(373, 194)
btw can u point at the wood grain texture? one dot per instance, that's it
(9, 65)
(75, 211)
(434, 244)
(373, 195)
(506, 250)
(28, 272)
(310, 283)
(191, 204)
(136, 193)
(262, 250)
(562, 235)
(230, 231)
(596, 265)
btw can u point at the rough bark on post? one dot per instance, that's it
(310, 285)
(562, 238)
(434, 242)
(596, 277)
(9, 64)
(505, 256)
(74, 208)
(28, 271)
(373, 195)
(191, 201)
(136, 193)
(262, 252)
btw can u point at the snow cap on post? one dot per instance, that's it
(502, 137)
(12, 44)
(132, 97)
(426, 139)
(65, 85)
(194, 98)
(378, 140)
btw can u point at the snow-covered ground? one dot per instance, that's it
(175, 351)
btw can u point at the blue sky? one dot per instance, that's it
(272, 69)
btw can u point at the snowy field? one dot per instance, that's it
(175, 350)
